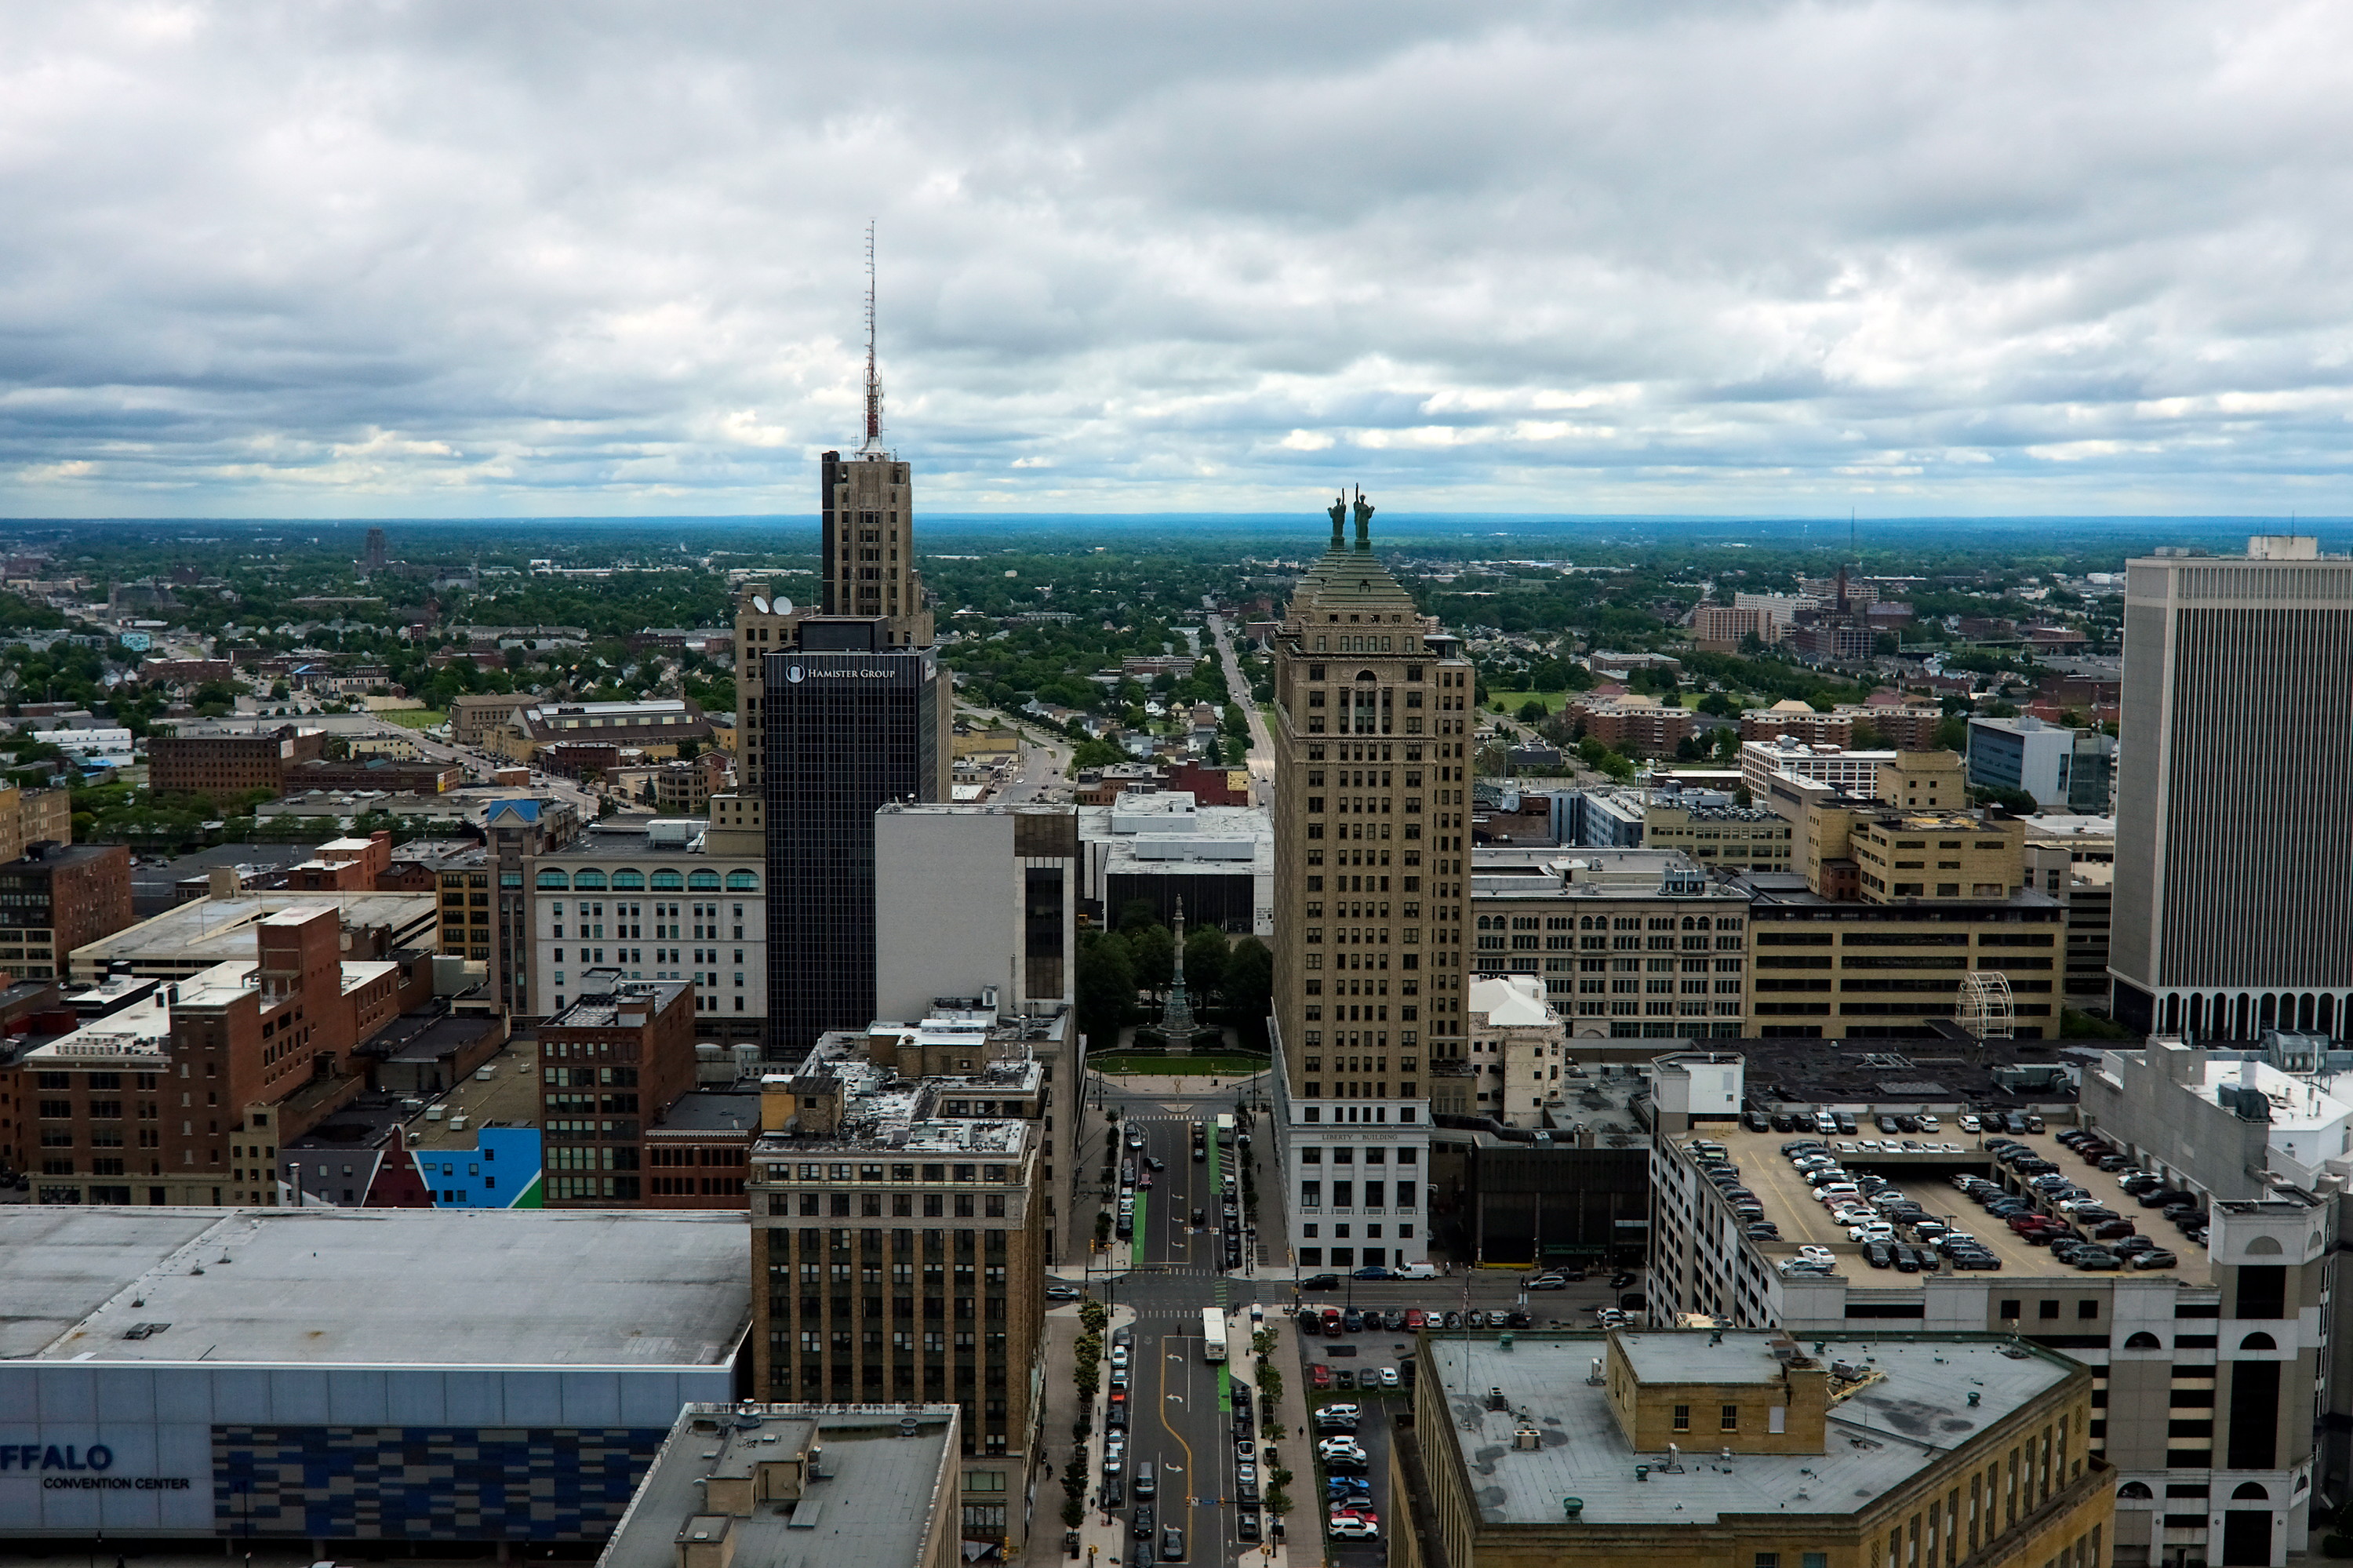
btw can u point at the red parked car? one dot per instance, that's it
(1320, 1376)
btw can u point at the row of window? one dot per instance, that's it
(703, 880)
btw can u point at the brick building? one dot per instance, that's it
(58, 897)
(619, 1052)
(1634, 726)
(476, 717)
(182, 1094)
(228, 765)
(345, 865)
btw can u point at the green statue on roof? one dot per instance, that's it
(1363, 522)
(1336, 511)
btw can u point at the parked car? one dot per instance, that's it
(2156, 1257)
(1375, 1271)
(1320, 1376)
(1320, 1282)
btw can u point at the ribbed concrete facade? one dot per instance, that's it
(2233, 908)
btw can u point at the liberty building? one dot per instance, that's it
(1372, 860)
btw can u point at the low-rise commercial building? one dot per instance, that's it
(1164, 846)
(1743, 1449)
(1710, 829)
(757, 1483)
(191, 937)
(1573, 1189)
(310, 1379)
(657, 728)
(476, 717)
(389, 774)
(1635, 944)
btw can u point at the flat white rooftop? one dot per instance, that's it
(374, 1287)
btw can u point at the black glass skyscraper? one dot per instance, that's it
(850, 724)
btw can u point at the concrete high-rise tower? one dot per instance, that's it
(2234, 807)
(1372, 743)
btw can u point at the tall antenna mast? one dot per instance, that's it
(873, 379)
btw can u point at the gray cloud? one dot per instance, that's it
(445, 258)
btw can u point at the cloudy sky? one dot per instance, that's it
(558, 258)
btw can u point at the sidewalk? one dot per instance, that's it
(1303, 1523)
(1059, 1408)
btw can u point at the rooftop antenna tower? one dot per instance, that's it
(873, 379)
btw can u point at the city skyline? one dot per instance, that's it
(1784, 260)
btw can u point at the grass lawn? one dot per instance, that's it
(413, 718)
(1195, 1065)
(1514, 701)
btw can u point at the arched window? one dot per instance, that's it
(2250, 1491)
(742, 882)
(587, 881)
(554, 879)
(1482, 922)
(2259, 1341)
(667, 881)
(2262, 1246)
(702, 881)
(628, 882)
(2144, 1340)
(2134, 1491)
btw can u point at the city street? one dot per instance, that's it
(1181, 1421)
(1261, 744)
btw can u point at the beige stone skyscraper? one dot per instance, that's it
(1372, 739)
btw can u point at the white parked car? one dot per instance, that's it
(1968, 1122)
(1816, 1255)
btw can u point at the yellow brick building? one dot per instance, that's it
(1750, 1449)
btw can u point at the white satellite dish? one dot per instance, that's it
(784, 607)
(759, 605)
